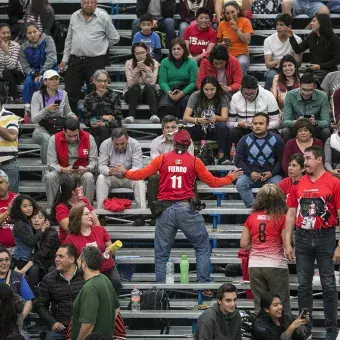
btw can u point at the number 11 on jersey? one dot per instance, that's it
(176, 182)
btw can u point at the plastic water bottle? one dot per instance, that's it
(184, 269)
(27, 114)
(170, 272)
(232, 152)
(135, 299)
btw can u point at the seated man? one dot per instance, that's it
(163, 144)
(15, 280)
(223, 319)
(6, 228)
(276, 46)
(200, 37)
(251, 99)
(308, 7)
(307, 102)
(71, 153)
(120, 149)
(259, 155)
(57, 291)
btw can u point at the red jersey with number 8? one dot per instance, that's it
(177, 177)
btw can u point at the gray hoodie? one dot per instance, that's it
(214, 325)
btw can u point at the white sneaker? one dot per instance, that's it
(129, 120)
(155, 119)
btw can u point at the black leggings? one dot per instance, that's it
(14, 78)
(114, 277)
(148, 95)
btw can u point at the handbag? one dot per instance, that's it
(53, 124)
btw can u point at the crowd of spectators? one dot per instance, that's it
(204, 81)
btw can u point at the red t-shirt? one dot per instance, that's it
(199, 40)
(316, 202)
(62, 211)
(286, 185)
(266, 241)
(98, 237)
(6, 229)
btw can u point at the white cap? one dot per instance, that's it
(50, 74)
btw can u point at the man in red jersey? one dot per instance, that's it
(177, 173)
(314, 206)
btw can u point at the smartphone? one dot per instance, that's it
(308, 66)
(94, 120)
(75, 167)
(263, 174)
(57, 102)
(303, 313)
(227, 41)
(175, 91)
(307, 116)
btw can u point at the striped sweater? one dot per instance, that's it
(10, 60)
(8, 149)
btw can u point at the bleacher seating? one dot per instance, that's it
(224, 216)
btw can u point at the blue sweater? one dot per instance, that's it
(260, 154)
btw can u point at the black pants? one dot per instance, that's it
(14, 78)
(135, 94)
(167, 106)
(152, 187)
(114, 277)
(320, 133)
(100, 134)
(234, 135)
(81, 70)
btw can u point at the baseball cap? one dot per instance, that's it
(182, 137)
(50, 74)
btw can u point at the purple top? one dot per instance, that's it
(51, 100)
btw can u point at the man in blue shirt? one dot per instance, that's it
(259, 155)
(15, 280)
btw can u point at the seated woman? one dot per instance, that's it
(332, 153)
(177, 80)
(141, 74)
(304, 138)
(69, 195)
(25, 238)
(270, 325)
(222, 66)
(46, 248)
(323, 45)
(287, 79)
(37, 55)
(102, 108)
(42, 13)
(245, 5)
(10, 67)
(208, 110)
(83, 231)
(235, 33)
(296, 169)
(49, 107)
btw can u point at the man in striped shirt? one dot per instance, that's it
(9, 128)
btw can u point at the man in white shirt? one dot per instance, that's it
(276, 46)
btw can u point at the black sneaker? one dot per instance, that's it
(225, 161)
(139, 221)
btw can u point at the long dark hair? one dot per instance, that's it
(10, 310)
(37, 7)
(202, 101)
(64, 194)
(148, 60)
(282, 81)
(325, 29)
(16, 213)
(265, 303)
(44, 93)
(236, 6)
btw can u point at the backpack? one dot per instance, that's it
(205, 155)
(162, 38)
(59, 33)
(153, 299)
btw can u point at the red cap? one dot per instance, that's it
(182, 137)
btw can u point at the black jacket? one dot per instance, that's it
(265, 329)
(57, 291)
(214, 325)
(46, 248)
(96, 106)
(168, 8)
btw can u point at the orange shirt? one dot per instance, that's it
(237, 47)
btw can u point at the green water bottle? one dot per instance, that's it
(184, 269)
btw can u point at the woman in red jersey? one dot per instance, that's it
(263, 234)
(295, 172)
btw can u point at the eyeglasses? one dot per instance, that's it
(7, 260)
(102, 81)
(140, 53)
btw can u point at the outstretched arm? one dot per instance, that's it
(146, 172)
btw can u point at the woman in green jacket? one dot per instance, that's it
(177, 80)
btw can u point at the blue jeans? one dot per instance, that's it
(42, 138)
(182, 27)
(245, 62)
(55, 335)
(12, 171)
(191, 223)
(270, 74)
(29, 88)
(166, 26)
(244, 185)
(319, 245)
